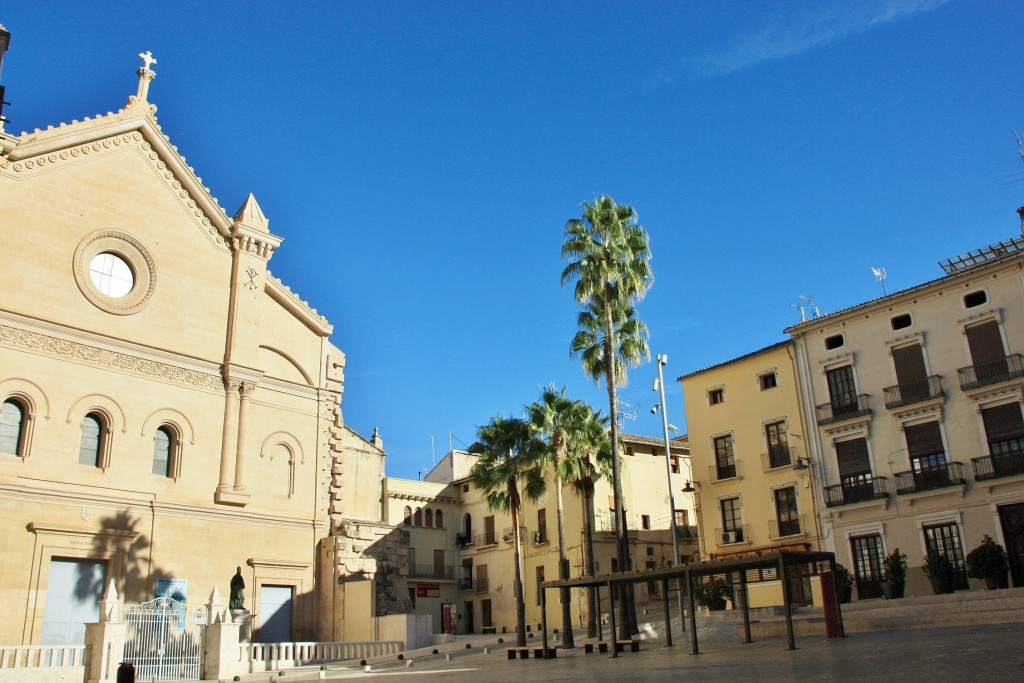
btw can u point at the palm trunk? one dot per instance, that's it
(627, 619)
(520, 599)
(588, 555)
(563, 573)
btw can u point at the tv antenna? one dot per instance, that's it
(1020, 145)
(815, 313)
(623, 415)
(879, 274)
(803, 316)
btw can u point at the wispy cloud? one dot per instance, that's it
(795, 34)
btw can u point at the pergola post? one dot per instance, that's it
(544, 618)
(786, 598)
(668, 614)
(611, 599)
(693, 615)
(746, 608)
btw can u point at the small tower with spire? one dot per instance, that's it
(145, 75)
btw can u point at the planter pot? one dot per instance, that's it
(943, 584)
(893, 590)
(1000, 581)
(845, 594)
(717, 605)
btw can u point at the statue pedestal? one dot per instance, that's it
(243, 618)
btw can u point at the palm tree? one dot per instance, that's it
(555, 418)
(506, 472)
(588, 455)
(609, 258)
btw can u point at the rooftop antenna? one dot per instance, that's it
(803, 316)
(1020, 145)
(623, 415)
(815, 313)
(880, 276)
(432, 460)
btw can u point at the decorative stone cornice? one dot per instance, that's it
(280, 293)
(59, 347)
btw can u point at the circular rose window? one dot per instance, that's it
(115, 272)
(111, 275)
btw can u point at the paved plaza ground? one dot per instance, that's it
(970, 653)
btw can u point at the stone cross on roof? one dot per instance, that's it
(147, 59)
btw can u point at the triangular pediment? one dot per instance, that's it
(135, 126)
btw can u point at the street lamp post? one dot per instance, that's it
(662, 361)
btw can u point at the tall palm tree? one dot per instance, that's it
(587, 457)
(506, 472)
(554, 418)
(609, 259)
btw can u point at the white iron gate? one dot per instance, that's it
(164, 640)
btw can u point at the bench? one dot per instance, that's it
(524, 652)
(620, 646)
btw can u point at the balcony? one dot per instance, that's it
(778, 529)
(540, 537)
(856, 490)
(462, 540)
(845, 409)
(776, 457)
(717, 473)
(481, 585)
(900, 395)
(999, 465)
(486, 539)
(930, 477)
(983, 374)
(465, 584)
(432, 571)
(686, 531)
(732, 536)
(508, 534)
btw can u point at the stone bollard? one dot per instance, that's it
(448, 657)
(367, 668)
(487, 650)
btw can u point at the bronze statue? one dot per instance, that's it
(237, 600)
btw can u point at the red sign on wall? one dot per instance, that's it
(428, 590)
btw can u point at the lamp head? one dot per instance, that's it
(654, 408)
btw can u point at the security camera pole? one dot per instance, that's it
(662, 361)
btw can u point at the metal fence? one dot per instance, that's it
(164, 640)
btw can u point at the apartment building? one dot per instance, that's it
(751, 481)
(916, 435)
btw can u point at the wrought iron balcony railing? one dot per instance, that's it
(718, 472)
(481, 585)
(782, 528)
(432, 571)
(465, 584)
(856, 490)
(776, 457)
(983, 374)
(740, 534)
(998, 465)
(913, 392)
(929, 478)
(843, 409)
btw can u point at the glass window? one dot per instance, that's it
(731, 526)
(945, 540)
(778, 444)
(111, 275)
(725, 460)
(439, 519)
(12, 420)
(867, 565)
(89, 447)
(716, 396)
(768, 380)
(162, 442)
(786, 512)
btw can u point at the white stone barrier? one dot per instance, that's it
(259, 657)
(42, 663)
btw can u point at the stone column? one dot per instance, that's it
(227, 436)
(241, 445)
(106, 640)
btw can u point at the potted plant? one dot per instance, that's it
(713, 594)
(940, 571)
(895, 575)
(844, 584)
(989, 562)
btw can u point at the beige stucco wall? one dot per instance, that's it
(238, 365)
(938, 319)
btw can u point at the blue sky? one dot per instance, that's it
(421, 160)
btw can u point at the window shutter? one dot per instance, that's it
(853, 458)
(924, 439)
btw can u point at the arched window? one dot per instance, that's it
(417, 519)
(408, 515)
(91, 446)
(12, 427)
(163, 449)
(429, 517)
(439, 519)
(467, 525)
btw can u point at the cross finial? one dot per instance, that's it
(147, 59)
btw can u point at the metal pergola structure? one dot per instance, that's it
(779, 560)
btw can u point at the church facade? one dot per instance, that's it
(170, 409)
